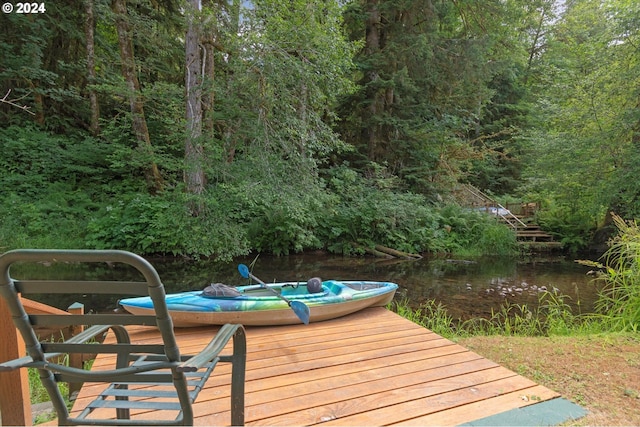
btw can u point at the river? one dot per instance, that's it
(466, 287)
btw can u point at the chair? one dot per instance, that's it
(146, 377)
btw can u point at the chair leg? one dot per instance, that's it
(122, 413)
(122, 361)
(181, 383)
(48, 382)
(238, 367)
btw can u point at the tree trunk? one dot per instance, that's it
(535, 48)
(375, 95)
(208, 95)
(229, 128)
(154, 179)
(89, 22)
(194, 176)
(38, 100)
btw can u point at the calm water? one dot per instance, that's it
(466, 287)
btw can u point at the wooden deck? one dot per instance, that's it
(369, 368)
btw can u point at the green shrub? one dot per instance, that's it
(496, 239)
(370, 212)
(619, 300)
(164, 225)
(277, 204)
(50, 185)
(56, 220)
(286, 221)
(570, 225)
(467, 232)
(83, 192)
(32, 160)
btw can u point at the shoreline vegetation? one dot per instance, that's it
(345, 213)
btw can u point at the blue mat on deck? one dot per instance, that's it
(549, 413)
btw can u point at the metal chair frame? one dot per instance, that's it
(141, 369)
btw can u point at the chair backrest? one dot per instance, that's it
(148, 285)
(40, 350)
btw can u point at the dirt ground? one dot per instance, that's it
(601, 373)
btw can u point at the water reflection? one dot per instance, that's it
(466, 287)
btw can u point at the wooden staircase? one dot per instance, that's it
(531, 235)
(519, 217)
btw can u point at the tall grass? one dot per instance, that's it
(618, 303)
(37, 390)
(552, 316)
(38, 393)
(431, 315)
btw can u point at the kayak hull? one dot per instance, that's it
(257, 306)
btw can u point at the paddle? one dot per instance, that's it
(299, 308)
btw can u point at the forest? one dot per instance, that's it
(219, 128)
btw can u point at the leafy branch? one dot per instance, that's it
(5, 100)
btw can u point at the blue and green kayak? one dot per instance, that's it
(255, 305)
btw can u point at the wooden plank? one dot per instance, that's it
(269, 378)
(369, 368)
(326, 381)
(483, 408)
(416, 402)
(35, 307)
(415, 371)
(268, 364)
(341, 399)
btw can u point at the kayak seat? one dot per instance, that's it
(338, 288)
(301, 292)
(149, 376)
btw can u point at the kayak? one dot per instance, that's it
(253, 305)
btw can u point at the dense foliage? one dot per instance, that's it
(61, 197)
(222, 127)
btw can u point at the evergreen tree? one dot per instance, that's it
(424, 83)
(42, 57)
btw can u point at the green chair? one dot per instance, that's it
(146, 377)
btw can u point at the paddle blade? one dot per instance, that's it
(244, 270)
(301, 310)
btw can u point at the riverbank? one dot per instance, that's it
(599, 372)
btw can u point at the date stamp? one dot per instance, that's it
(24, 8)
